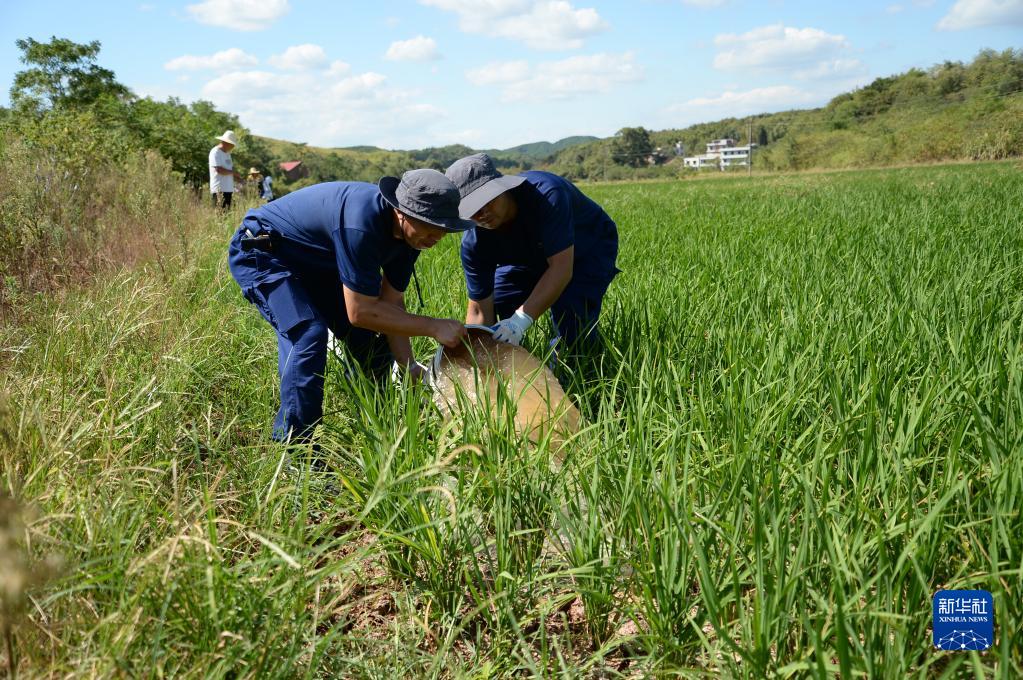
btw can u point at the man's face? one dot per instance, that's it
(419, 235)
(226, 146)
(497, 213)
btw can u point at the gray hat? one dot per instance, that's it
(427, 196)
(479, 182)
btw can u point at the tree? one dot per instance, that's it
(631, 146)
(62, 73)
(762, 136)
(949, 77)
(184, 135)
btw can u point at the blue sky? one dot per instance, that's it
(495, 73)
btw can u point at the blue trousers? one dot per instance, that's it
(300, 306)
(574, 314)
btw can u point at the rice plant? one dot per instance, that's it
(807, 421)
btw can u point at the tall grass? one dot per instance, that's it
(808, 421)
(78, 202)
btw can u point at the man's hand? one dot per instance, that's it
(449, 332)
(512, 329)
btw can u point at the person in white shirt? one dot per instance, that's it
(222, 172)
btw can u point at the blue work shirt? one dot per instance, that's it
(552, 215)
(338, 229)
(266, 188)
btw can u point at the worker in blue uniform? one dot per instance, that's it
(538, 244)
(339, 256)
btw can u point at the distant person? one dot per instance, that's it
(222, 172)
(255, 178)
(266, 191)
(262, 184)
(339, 256)
(679, 150)
(538, 244)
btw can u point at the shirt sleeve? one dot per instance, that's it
(213, 157)
(359, 256)
(479, 268)
(555, 225)
(399, 269)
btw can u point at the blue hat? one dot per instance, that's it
(425, 195)
(479, 182)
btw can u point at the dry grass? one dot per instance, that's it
(68, 219)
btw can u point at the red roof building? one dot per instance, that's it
(294, 170)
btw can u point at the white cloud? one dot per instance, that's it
(419, 48)
(338, 68)
(468, 136)
(777, 95)
(743, 103)
(245, 85)
(977, 13)
(894, 9)
(347, 109)
(239, 15)
(777, 47)
(226, 60)
(832, 69)
(562, 79)
(498, 73)
(540, 24)
(299, 58)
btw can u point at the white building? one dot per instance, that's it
(721, 153)
(716, 145)
(704, 160)
(735, 155)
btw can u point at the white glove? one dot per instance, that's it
(417, 370)
(512, 329)
(333, 346)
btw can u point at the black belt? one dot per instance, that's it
(263, 241)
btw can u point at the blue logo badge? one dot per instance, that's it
(963, 620)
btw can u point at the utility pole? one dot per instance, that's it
(749, 157)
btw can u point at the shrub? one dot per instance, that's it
(78, 200)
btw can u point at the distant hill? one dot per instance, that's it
(542, 150)
(951, 111)
(364, 148)
(369, 163)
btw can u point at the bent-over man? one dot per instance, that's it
(538, 244)
(339, 256)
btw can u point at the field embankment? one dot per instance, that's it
(82, 202)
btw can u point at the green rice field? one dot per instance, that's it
(809, 420)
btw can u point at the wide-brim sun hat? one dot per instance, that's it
(479, 182)
(229, 137)
(254, 171)
(428, 196)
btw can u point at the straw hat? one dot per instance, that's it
(254, 171)
(229, 137)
